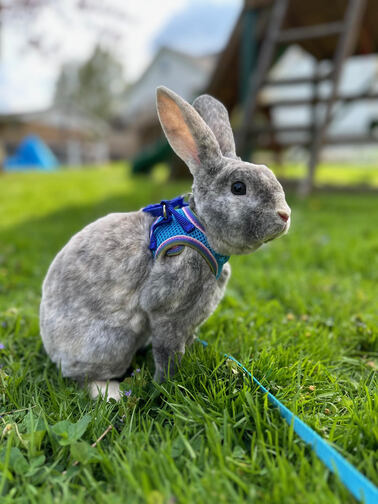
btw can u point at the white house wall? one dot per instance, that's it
(360, 74)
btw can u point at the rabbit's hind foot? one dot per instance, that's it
(106, 389)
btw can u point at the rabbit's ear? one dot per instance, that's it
(215, 115)
(188, 134)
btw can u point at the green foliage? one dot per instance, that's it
(84, 453)
(94, 87)
(68, 432)
(301, 313)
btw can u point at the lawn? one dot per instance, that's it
(301, 313)
(333, 174)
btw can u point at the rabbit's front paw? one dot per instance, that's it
(106, 389)
(166, 362)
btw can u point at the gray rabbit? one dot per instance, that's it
(108, 291)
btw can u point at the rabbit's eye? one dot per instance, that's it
(238, 188)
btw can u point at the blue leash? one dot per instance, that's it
(359, 486)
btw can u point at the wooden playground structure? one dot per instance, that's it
(328, 30)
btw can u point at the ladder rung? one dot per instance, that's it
(334, 140)
(351, 139)
(297, 80)
(345, 98)
(311, 32)
(272, 130)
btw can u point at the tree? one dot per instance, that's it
(94, 87)
(109, 15)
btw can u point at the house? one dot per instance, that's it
(137, 121)
(184, 73)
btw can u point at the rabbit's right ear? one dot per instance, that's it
(215, 115)
(186, 131)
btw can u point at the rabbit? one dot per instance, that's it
(105, 295)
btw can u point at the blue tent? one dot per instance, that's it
(31, 154)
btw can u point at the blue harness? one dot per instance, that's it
(177, 227)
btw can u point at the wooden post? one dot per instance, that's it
(247, 59)
(315, 99)
(263, 65)
(248, 50)
(345, 46)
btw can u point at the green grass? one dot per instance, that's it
(302, 313)
(334, 174)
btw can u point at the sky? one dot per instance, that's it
(33, 48)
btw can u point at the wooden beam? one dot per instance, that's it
(264, 141)
(248, 50)
(294, 81)
(271, 130)
(346, 98)
(347, 40)
(264, 61)
(351, 140)
(310, 32)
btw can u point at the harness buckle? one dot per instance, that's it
(164, 211)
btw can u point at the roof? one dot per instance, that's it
(314, 12)
(185, 73)
(200, 62)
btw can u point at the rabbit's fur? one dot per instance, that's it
(105, 296)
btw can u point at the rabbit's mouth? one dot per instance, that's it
(277, 235)
(227, 247)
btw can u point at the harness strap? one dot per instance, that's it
(183, 240)
(166, 209)
(177, 226)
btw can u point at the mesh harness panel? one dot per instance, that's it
(176, 228)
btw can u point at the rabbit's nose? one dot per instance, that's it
(284, 215)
